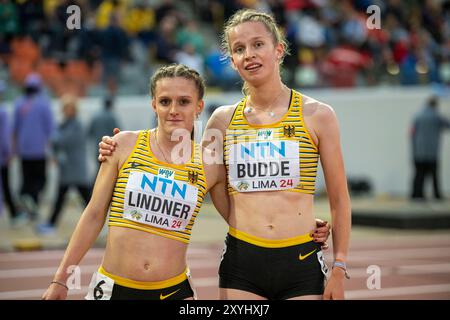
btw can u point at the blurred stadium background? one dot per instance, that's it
(375, 79)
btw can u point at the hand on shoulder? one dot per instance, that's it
(217, 125)
(124, 143)
(221, 117)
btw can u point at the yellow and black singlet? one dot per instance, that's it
(277, 156)
(158, 197)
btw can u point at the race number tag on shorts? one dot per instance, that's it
(100, 287)
(189, 278)
(323, 265)
(265, 165)
(159, 200)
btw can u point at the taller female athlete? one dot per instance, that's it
(273, 139)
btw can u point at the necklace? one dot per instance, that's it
(159, 147)
(268, 110)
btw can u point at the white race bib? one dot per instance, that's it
(159, 200)
(100, 288)
(323, 265)
(265, 165)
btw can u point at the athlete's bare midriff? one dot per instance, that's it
(142, 256)
(272, 215)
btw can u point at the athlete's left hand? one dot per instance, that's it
(321, 233)
(334, 290)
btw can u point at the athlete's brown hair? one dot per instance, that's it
(178, 70)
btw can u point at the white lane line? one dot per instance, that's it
(396, 254)
(397, 291)
(418, 269)
(356, 273)
(424, 269)
(354, 255)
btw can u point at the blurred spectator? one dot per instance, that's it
(9, 18)
(408, 74)
(191, 35)
(211, 12)
(166, 46)
(89, 48)
(32, 129)
(140, 23)
(69, 144)
(5, 146)
(343, 64)
(61, 39)
(306, 74)
(190, 58)
(353, 25)
(165, 8)
(444, 70)
(107, 9)
(103, 123)
(219, 71)
(432, 19)
(32, 18)
(426, 133)
(310, 32)
(5, 156)
(394, 7)
(114, 51)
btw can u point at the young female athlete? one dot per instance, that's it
(153, 201)
(272, 141)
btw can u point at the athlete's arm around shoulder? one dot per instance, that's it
(94, 215)
(212, 144)
(217, 126)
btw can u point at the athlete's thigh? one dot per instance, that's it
(235, 294)
(310, 297)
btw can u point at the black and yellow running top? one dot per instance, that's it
(277, 156)
(158, 197)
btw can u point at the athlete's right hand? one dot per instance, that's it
(55, 292)
(107, 146)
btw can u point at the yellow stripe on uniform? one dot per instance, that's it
(154, 285)
(269, 243)
(290, 128)
(143, 160)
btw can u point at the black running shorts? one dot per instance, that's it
(274, 269)
(105, 286)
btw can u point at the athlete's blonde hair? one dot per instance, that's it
(178, 70)
(246, 15)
